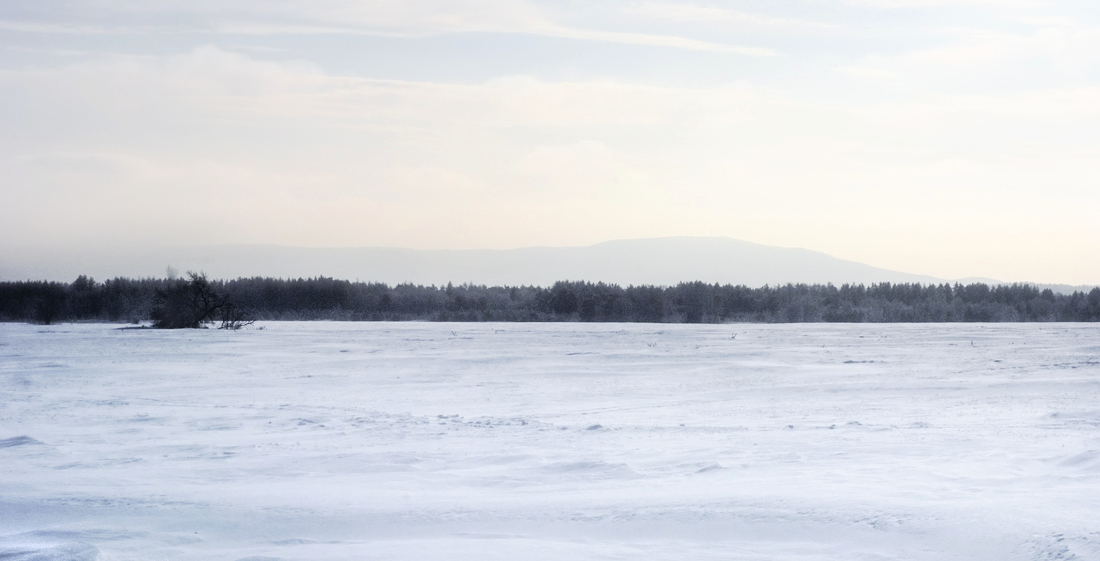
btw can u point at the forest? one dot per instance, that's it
(321, 298)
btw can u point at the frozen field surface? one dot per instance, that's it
(429, 441)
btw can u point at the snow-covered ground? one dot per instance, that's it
(567, 441)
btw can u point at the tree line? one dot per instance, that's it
(323, 298)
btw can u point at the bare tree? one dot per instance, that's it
(192, 303)
(234, 318)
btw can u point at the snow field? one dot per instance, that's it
(550, 441)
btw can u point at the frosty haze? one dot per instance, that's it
(419, 441)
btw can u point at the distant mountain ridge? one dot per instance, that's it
(653, 261)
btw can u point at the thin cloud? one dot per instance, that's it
(656, 41)
(53, 28)
(670, 41)
(694, 13)
(391, 19)
(906, 4)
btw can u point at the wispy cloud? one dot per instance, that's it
(655, 40)
(695, 13)
(411, 18)
(908, 4)
(1043, 56)
(33, 27)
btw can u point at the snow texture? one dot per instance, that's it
(435, 441)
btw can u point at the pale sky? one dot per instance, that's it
(952, 138)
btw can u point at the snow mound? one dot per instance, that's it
(1075, 416)
(17, 441)
(1088, 460)
(590, 469)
